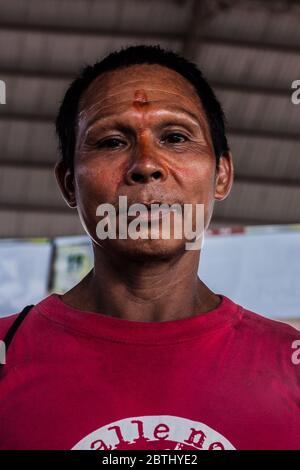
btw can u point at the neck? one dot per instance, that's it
(143, 291)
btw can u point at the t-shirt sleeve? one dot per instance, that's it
(5, 323)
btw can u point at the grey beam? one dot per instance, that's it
(244, 179)
(199, 12)
(242, 221)
(217, 84)
(36, 208)
(139, 34)
(234, 131)
(232, 220)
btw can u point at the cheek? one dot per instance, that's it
(198, 184)
(198, 180)
(93, 186)
(95, 183)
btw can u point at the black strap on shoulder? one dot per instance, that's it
(14, 326)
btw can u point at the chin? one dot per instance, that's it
(146, 250)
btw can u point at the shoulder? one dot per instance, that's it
(25, 329)
(257, 323)
(6, 322)
(16, 318)
(271, 343)
(262, 325)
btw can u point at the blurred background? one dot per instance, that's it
(249, 51)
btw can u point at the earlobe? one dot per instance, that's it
(224, 177)
(65, 180)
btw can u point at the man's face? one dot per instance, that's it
(142, 133)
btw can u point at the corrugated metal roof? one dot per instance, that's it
(249, 51)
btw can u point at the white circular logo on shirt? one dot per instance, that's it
(154, 433)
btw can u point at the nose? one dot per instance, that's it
(145, 173)
(147, 167)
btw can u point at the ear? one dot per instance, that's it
(65, 180)
(224, 176)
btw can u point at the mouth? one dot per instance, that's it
(153, 211)
(151, 214)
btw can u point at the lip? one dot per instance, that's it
(151, 214)
(154, 214)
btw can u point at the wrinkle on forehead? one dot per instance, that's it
(101, 103)
(107, 113)
(115, 92)
(150, 78)
(118, 79)
(140, 97)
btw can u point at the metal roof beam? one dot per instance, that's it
(242, 221)
(216, 84)
(116, 33)
(233, 131)
(230, 220)
(199, 13)
(245, 179)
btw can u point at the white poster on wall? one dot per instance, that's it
(260, 271)
(24, 270)
(73, 260)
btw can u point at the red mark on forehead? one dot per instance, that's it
(140, 98)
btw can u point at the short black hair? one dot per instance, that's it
(67, 116)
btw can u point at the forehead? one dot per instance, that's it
(139, 83)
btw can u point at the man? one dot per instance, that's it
(141, 354)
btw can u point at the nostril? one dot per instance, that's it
(137, 177)
(156, 175)
(140, 177)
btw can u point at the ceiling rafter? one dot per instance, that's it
(233, 131)
(7, 73)
(199, 13)
(66, 211)
(238, 178)
(139, 34)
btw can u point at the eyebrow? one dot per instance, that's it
(170, 117)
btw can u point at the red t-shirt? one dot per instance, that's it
(75, 379)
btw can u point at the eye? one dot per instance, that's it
(111, 143)
(174, 138)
